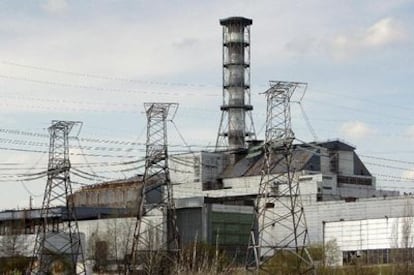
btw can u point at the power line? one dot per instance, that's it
(73, 164)
(388, 159)
(181, 136)
(75, 154)
(23, 142)
(102, 89)
(192, 85)
(360, 99)
(308, 123)
(164, 83)
(95, 140)
(396, 177)
(364, 111)
(102, 77)
(74, 105)
(388, 166)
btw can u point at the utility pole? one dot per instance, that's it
(279, 228)
(58, 243)
(156, 242)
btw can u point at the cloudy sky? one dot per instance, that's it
(99, 61)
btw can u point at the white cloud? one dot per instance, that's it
(184, 42)
(409, 132)
(356, 130)
(55, 6)
(384, 6)
(302, 45)
(408, 174)
(385, 32)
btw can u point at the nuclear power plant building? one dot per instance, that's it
(215, 191)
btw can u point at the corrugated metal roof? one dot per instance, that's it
(252, 166)
(252, 162)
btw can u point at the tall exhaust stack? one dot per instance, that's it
(236, 124)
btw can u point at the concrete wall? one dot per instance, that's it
(250, 186)
(369, 234)
(185, 174)
(325, 161)
(118, 232)
(188, 172)
(117, 197)
(330, 211)
(24, 244)
(236, 187)
(212, 164)
(346, 162)
(319, 213)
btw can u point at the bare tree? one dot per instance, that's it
(13, 245)
(119, 235)
(332, 253)
(407, 226)
(98, 251)
(13, 249)
(109, 245)
(403, 240)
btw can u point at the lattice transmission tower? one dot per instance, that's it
(58, 245)
(280, 230)
(156, 239)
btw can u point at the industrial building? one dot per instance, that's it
(215, 196)
(198, 220)
(116, 194)
(334, 183)
(384, 237)
(327, 171)
(215, 192)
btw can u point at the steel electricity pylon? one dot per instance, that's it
(156, 239)
(58, 242)
(279, 231)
